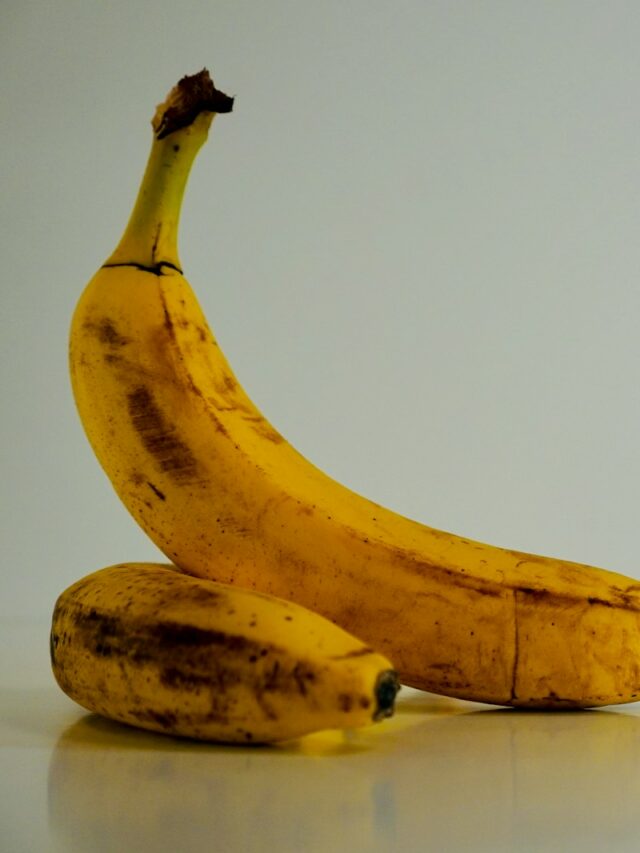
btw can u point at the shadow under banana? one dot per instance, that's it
(467, 777)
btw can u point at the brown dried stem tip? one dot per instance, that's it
(191, 96)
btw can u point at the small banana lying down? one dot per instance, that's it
(147, 645)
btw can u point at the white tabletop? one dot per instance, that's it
(441, 775)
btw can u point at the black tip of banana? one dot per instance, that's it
(386, 690)
(190, 96)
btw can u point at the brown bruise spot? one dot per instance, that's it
(305, 509)
(595, 600)
(178, 634)
(267, 431)
(138, 479)
(189, 649)
(170, 329)
(421, 568)
(103, 635)
(159, 436)
(175, 678)
(272, 677)
(168, 322)
(107, 333)
(227, 524)
(232, 405)
(165, 720)
(230, 383)
(219, 426)
(444, 674)
(226, 386)
(345, 702)
(263, 428)
(266, 708)
(565, 599)
(303, 675)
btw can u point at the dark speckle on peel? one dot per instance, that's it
(165, 720)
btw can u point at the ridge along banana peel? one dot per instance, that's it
(225, 496)
(145, 644)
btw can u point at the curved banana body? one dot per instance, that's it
(225, 496)
(145, 644)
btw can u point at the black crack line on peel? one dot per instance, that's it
(157, 269)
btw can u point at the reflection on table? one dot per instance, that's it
(440, 775)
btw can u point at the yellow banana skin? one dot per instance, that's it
(148, 645)
(225, 496)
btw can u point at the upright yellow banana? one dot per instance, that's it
(221, 492)
(145, 644)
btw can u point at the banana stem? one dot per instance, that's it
(181, 125)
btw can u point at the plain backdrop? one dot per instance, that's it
(416, 239)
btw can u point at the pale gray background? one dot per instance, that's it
(416, 239)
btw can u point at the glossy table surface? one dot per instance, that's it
(441, 775)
